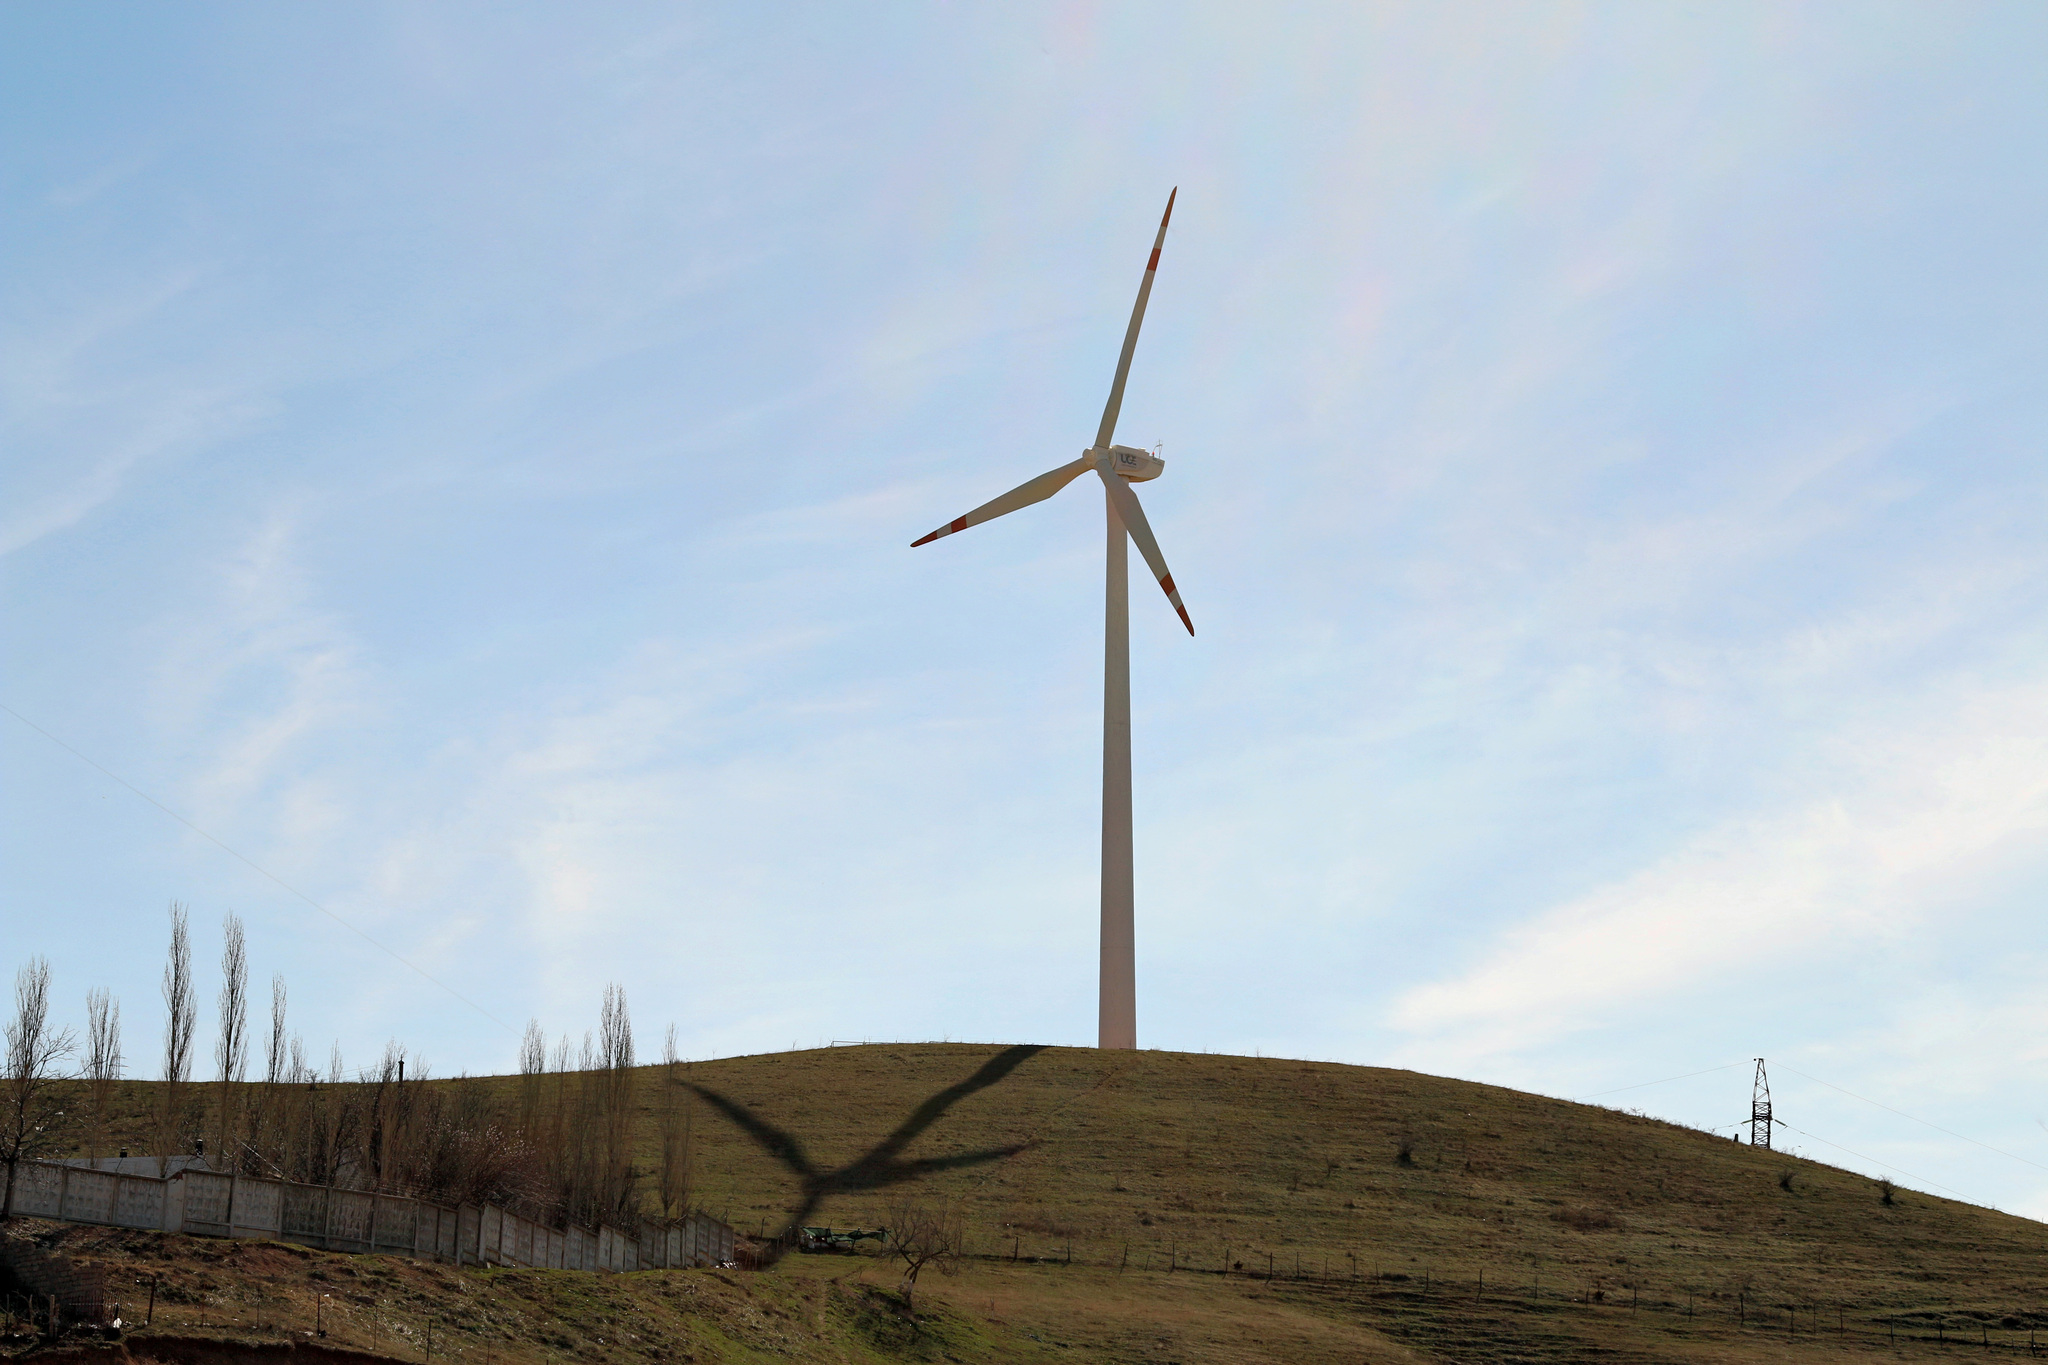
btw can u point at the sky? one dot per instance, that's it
(458, 465)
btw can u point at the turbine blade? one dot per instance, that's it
(1107, 430)
(1133, 516)
(1023, 495)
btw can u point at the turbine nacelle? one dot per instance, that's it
(1127, 462)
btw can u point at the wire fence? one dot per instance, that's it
(1423, 1303)
(1439, 1292)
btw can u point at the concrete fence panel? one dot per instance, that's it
(89, 1196)
(395, 1218)
(468, 1235)
(258, 1208)
(139, 1202)
(209, 1204)
(348, 1219)
(39, 1190)
(206, 1202)
(304, 1215)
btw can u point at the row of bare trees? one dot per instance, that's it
(576, 1117)
(561, 1146)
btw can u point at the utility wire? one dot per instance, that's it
(1578, 1099)
(1904, 1115)
(393, 953)
(1871, 1159)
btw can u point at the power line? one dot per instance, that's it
(1577, 1099)
(1904, 1115)
(1873, 1160)
(251, 863)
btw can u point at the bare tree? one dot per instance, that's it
(276, 1056)
(270, 1102)
(102, 1062)
(231, 1047)
(615, 1026)
(385, 1132)
(31, 1093)
(923, 1235)
(181, 1012)
(617, 1182)
(677, 1109)
(533, 1065)
(557, 1147)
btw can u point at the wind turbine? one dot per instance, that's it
(1119, 468)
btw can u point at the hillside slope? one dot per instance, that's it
(1189, 1154)
(1400, 1216)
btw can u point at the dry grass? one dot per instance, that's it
(1570, 1213)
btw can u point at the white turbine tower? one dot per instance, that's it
(1119, 467)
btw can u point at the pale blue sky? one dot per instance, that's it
(464, 458)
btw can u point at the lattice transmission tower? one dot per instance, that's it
(1760, 1109)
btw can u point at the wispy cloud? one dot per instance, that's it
(254, 683)
(1895, 813)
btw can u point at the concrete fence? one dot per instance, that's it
(208, 1204)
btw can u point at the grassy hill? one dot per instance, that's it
(1400, 1217)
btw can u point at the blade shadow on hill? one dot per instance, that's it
(882, 1165)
